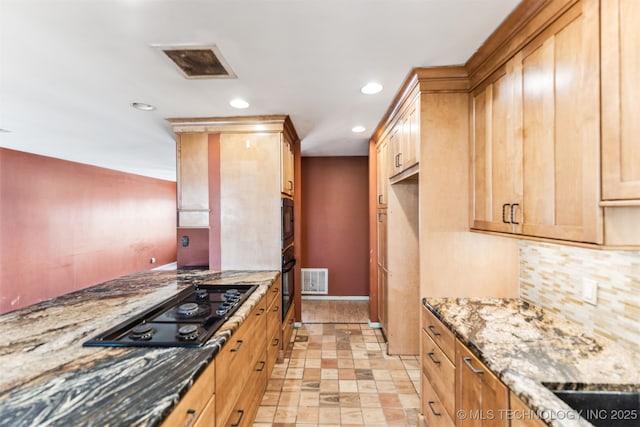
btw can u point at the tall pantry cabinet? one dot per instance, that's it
(232, 174)
(421, 208)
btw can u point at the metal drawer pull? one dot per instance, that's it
(276, 290)
(433, 359)
(240, 342)
(237, 423)
(276, 308)
(433, 330)
(192, 417)
(260, 312)
(513, 208)
(504, 213)
(379, 199)
(262, 363)
(437, 414)
(467, 361)
(275, 342)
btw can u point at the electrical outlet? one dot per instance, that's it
(590, 291)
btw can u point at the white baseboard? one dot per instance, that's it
(335, 298)
(375, 325)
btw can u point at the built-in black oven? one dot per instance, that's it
(287, 222)
(288, 281)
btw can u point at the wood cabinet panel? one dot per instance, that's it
(287, 168)
(245, 408)
(439, 333)
(432, 408)
(522, 415)
(561, 129)
(287, 329)
(193, 180)
(478, 391)
(620, 102)
(382, 175)
(440, 372)
(249, 201)
(241, 350)
(191, 406)
(208, 416)
(497, 150)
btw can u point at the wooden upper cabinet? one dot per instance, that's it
(561, 128)
(193, 180)
(404, 139)
(620, 101)
(497, 150)
(382, 175)
(287, 162)
(536, 136)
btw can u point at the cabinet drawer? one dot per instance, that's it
(244, 411)
(432, 408)
(208, 417)
(273, 351)
(275, 292)
(440, 372)
(241, 350)
(193, 403)
(439, 333)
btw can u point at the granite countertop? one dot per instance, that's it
(532, 350)
(47, 378)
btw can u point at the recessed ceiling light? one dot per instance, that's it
(142, 106)
(239, 103)
(358, 129)
(371, 88)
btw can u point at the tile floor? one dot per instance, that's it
(338, 374)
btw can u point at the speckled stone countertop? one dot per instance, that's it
(47, 378)
(532, 350)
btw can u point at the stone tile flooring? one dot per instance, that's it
(339, 375)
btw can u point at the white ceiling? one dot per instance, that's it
(69, 69)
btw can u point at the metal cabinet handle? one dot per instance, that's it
(513, 208)
(276, 290)
(467, 361)
(192, 417)
(399, 159)
(259, 313)
(433, 330)
(275, 342)
(237, 423)
(262, 364)
(433, 359)
(379, 199)
(504, 215)
(437, 414)
(240, 342)
(290, 184)
(276, 308)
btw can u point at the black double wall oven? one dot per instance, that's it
(288, 259)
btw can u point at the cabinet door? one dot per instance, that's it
(562, 128)
(382, 297)
(395, 146)
(496, 155)
(480, 395)
(620, 101)
(382, 177)
(193, 180)
(286, 172)
(522, 415)
(413, 134)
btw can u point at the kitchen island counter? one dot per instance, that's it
(49, 379)
(533, 350)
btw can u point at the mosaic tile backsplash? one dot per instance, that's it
(552, 277)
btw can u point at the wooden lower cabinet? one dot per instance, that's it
(481, 398)
(248, 403)
(287, 330)
(521, 415)
(195, 407)
(433, 410)
(274, 327)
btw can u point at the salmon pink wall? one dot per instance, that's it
(335, 225)
(65, 226)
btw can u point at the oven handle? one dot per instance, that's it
(288, 266)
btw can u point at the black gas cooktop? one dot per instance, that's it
(188, 319)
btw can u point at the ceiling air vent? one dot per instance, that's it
(199, 62)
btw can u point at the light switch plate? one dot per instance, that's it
(590, 291)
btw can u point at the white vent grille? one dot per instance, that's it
(315, 281)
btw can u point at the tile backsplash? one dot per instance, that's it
(552, 277)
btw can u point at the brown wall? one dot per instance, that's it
(335, 223)
(65, 226)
